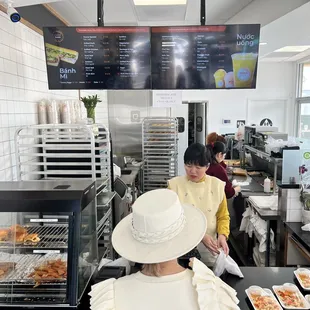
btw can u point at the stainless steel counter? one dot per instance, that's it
(253, 189)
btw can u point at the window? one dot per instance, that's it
(303, 101)
(305, 80)
(304, 120)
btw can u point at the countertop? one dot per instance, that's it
(129, 179)
(265, 277)
(301, 236)
(255, 189)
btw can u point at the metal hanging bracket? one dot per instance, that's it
(203, 12)
(100, 13)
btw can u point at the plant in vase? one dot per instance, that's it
(90, 104)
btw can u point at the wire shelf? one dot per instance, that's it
(51, 237)
(25, 265)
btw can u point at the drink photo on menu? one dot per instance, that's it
(205, 57)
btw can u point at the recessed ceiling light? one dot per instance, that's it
(296, 49)
(262, 43)
(159, 2)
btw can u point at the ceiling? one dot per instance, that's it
(268, 13)
(124, 12)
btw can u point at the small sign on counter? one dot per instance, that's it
(166, 98)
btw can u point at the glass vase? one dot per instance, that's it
(91, 113)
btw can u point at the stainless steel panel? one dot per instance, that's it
(126, 113)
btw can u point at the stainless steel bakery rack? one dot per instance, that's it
(70, 151)
(160, 151)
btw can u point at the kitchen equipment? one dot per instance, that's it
(160, 151)
(62, 216)
(256, 136)
(71, 151)
(119, 160)
(120, 205)
(291, 163)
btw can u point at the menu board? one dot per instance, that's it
(98, 57)
(205, 57)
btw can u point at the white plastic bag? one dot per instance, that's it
(122, 262)
(223, 263)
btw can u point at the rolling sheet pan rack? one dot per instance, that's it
(160, 151)
(69, 151)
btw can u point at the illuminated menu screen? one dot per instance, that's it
(205, 57)
(98, 57)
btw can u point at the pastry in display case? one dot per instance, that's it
(48, 243)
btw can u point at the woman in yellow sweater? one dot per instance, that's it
(208, 194)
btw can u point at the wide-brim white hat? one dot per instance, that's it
(160, 229)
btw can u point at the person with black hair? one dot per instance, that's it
(216, 169)
(206, 193)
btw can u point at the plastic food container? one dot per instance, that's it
(290, 297)
(303, 277)
(262, 298)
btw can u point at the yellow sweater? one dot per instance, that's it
(209, 196)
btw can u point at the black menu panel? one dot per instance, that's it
(205, 57)
(98, 57)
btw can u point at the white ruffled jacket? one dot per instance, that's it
(212, 292)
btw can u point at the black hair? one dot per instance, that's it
(216, 148)
(197, 154)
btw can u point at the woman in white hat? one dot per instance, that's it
(156, 234)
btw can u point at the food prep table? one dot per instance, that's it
(255, 189)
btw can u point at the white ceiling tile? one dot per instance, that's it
(158, 13)
(88, 8)
(69, 12)
(225, 9)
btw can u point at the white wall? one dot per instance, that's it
(23, 82)
(275, 81)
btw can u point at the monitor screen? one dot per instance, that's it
(205, 57)
(98, 57)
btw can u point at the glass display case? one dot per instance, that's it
(48, 243)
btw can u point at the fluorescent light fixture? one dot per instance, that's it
(159, 2)
(296, 49)
(262, 43)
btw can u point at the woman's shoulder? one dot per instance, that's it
(212, 292)
(102, 295)
(176, 181)
(215, 181)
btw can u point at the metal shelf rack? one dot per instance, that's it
(69, 151)
(160, 151)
